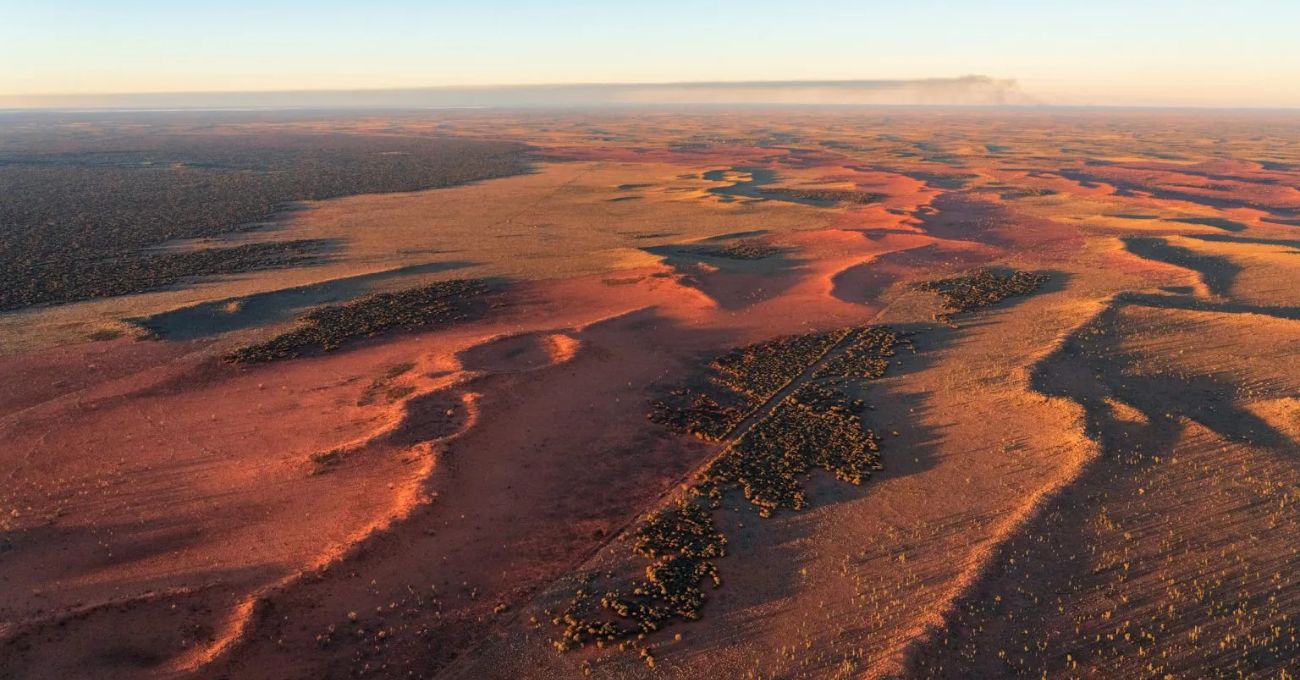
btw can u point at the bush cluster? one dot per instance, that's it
(746, 249)
(827, 195)
(816, 426)
(981, 288)
(326, 328)
(736, 382)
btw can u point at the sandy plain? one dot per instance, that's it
(1097, 480)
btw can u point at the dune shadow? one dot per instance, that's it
(1044, 628)
(956, 217)
(119, 638)
(132, 542)
(1195, 304)
(1218, 273)
(776, 547)
(732, 282)
(942, 181)
(752, 233)
(213, 318)
(1225, 238)
(1107, 370)
(1216, 222)
(866, 281)
(754, 187)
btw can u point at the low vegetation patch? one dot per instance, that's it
(760, 370)
(864, 354)
(83, 210)
(816, 426)
(827, 195)
(691, 411)
(326, 328)
(748, 249)
(133, 272)
(981, 288)
(681, 543)
(325, 461)
(737, 382)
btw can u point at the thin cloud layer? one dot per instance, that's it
(972, 90)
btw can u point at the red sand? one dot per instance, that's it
(412, 505)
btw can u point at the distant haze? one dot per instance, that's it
(1203, 53)
(964, 91)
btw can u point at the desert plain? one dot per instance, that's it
(787, 393)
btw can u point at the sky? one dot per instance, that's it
(1226, 53)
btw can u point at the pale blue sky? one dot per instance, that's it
(1160, 52)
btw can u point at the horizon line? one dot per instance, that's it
(508, 86)
(967, 91)
(5, 110)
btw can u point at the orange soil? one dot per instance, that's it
(1094, 481)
